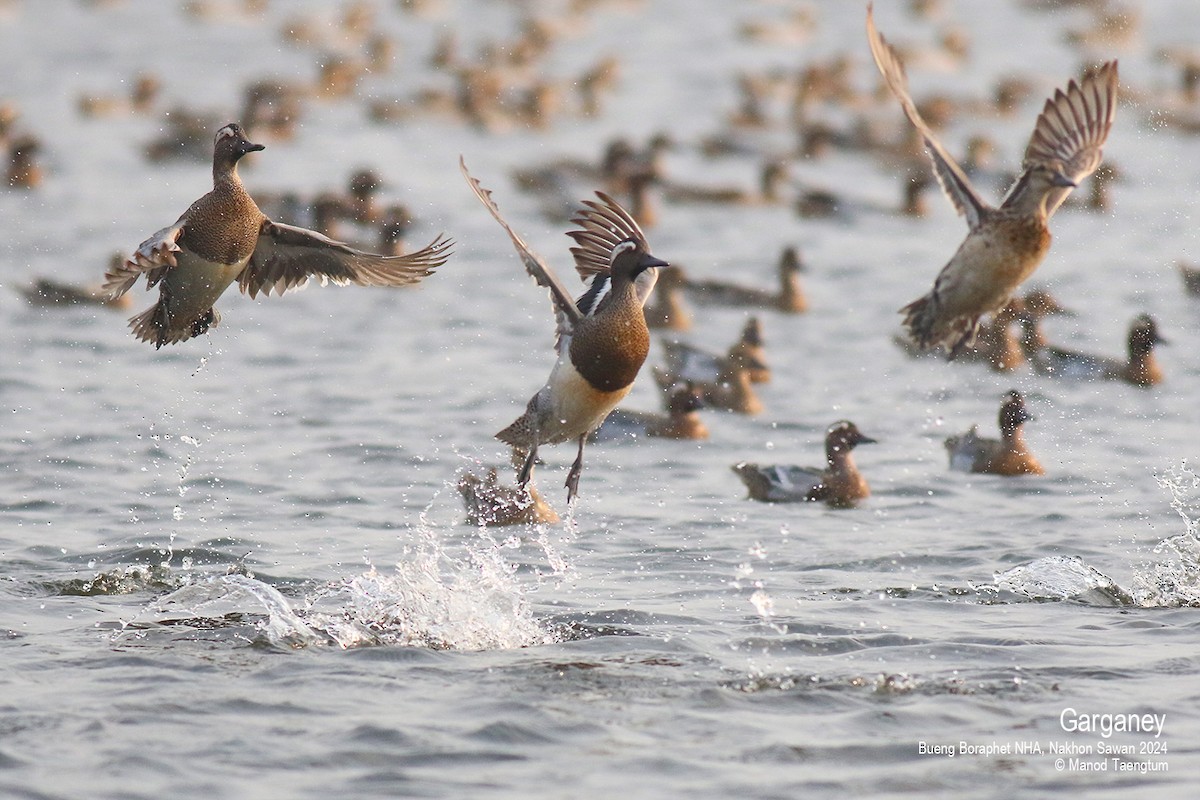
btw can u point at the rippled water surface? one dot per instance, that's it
(238, 567)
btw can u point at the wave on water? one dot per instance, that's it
(1063, 578)
(433, 598)
(1169, 579)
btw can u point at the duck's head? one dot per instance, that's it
(844, 436)
(1013, 413)
(231, 144)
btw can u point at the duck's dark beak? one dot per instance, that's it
(648, 261)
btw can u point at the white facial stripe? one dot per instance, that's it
(627, 246)
(226, 133)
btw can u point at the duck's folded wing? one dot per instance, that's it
(780, 483)
(800, 483)
(1073, 127)
(963, 449)
(688, 363)
(154, 256)
(286, 257)
(1050, 360)
(947, 171)
(566, 314)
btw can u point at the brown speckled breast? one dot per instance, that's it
(609, 349)
(1029, 238)
(223, 225)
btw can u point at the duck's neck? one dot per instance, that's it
(1144, 369)
(789, 287)
(840, 460)
(225, 176)
(1014, 439)
(1028, 197)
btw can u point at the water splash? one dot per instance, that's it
(1170, 579)
(1062, 578)
(226, 596)
(432, 601)
(1184, 485)
(1173, 577)
(433, 598)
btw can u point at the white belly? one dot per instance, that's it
(192, 287)
(571, 406)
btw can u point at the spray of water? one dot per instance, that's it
(1169, 578)
(1172, 578)
(467, 597)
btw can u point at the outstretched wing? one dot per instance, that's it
(602, 226)
(566, 314)
(947, 171)
(1072, 128)
(155, 256)
(286, 257)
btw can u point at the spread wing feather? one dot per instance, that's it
(602, 226)
(566, 313)
(287, 257)
(949, 174)
(154, 257)
(1072, 128)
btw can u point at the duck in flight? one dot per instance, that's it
(223, 237)
(603, 339)
(1005, 244)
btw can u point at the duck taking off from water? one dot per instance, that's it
(223, 237)
(1006, 244)
(602, 337)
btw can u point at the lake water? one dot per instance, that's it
(238, 567)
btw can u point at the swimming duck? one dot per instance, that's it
(688, 363)
(145, 92)
(1140, 369)
(839, 484)
(731, 390)
(773, 177)
(48, 292)
(682, 420)
(789, 298)
(273, 108)
(1007, 455)
(186, 134)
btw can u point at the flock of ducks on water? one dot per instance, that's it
(972, 311)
